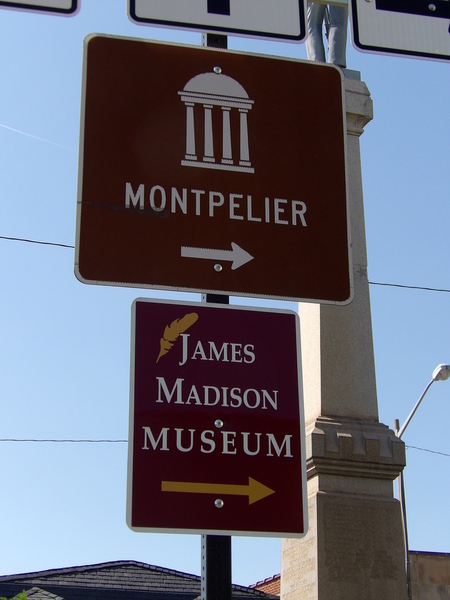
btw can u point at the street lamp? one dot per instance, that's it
(441, 373)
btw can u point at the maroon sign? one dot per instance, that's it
(212, 171)
(216, 438)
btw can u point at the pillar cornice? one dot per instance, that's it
(355, 448)
(359, 106)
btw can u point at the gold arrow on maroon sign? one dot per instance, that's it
(254, 490)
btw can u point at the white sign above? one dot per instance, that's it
(271, 19)
(62, 7)
(405, 28)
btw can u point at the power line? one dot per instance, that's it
(410, 287)
(397, 285)
(425, 450)
(106, 441)
(15, 239)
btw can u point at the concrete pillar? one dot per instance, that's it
(354, 547)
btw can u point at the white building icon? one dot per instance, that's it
(210, 90)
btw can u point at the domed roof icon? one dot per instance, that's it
(215, 93)
(216, 84)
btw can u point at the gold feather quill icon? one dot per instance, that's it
(172, 331)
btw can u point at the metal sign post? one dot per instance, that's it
(216, 567)
(216, 549)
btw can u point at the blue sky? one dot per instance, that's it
(65, 346)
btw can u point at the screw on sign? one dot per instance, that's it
(216, 421)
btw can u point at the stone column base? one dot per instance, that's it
(354, 546)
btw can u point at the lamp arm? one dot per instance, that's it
(413, 412)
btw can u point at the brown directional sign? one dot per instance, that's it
(212, 171)
(216, 440)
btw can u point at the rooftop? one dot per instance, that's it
(117, 580)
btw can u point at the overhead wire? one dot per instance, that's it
(16, 239)
(88, 441)
(410, 287)
(397, 285)
(426, 450)
(119, 441)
